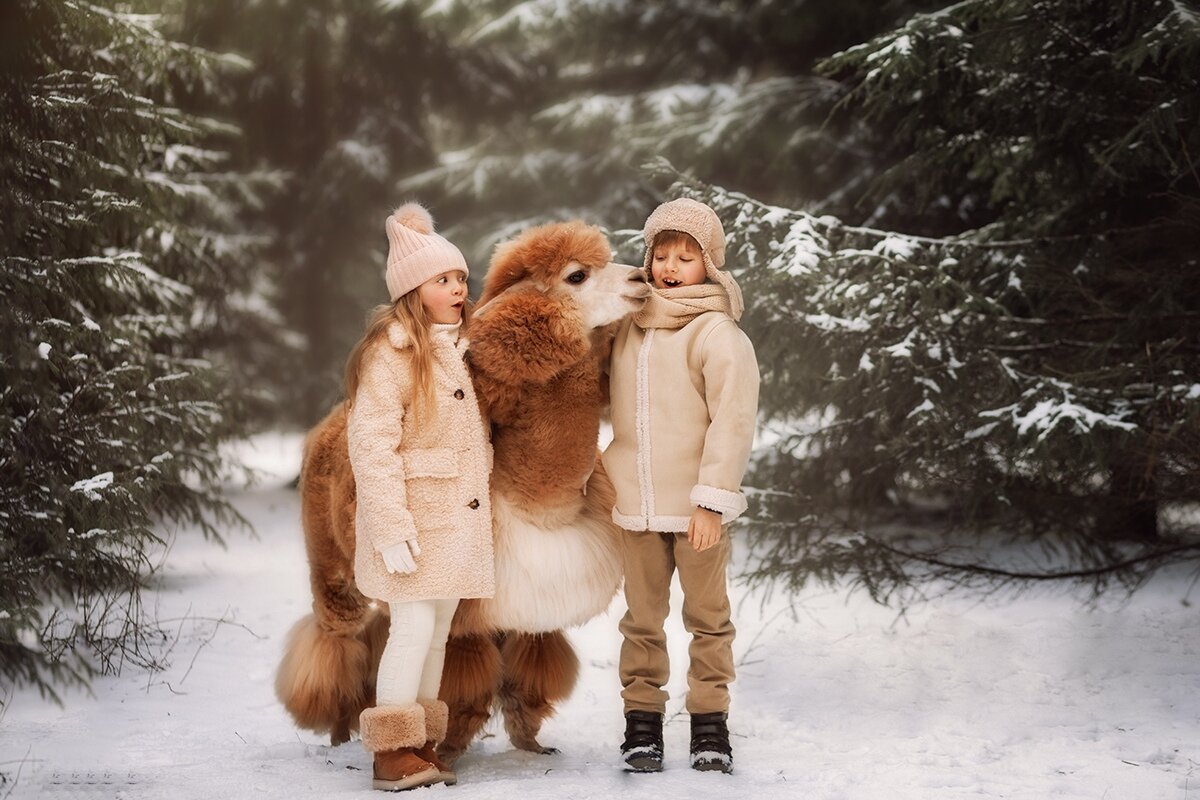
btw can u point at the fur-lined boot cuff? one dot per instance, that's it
(437, 715)
(392, 727)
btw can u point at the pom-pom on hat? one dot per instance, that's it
(415, 252)
(701, 223)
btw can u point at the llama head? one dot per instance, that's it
(570, 263)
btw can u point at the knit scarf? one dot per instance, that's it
(674, 308)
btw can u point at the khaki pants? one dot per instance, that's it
(650, 559)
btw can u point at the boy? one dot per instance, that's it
(684, 387)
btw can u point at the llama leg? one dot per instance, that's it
(539, 670)
(374, 635)
(470, 677)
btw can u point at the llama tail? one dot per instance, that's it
(327, 676)
(326, 679)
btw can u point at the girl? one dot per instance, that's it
(421, 458)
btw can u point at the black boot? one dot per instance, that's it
(710, 743)
(642, 750)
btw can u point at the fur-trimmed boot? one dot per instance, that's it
(710, 743)
(393, 734)
(437, 715)
(642, 750)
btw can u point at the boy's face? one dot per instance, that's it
(443, 296)
(676, 264)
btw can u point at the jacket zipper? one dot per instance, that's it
(642, 426)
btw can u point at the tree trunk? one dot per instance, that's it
(1130, 512)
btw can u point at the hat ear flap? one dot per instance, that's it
(723, 279)
(716, 247)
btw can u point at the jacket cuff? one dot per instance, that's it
(729, 504)
(382, 540)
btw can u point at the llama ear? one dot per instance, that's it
(526, 337)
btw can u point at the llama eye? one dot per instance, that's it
(578, 276)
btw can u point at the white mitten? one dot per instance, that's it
(401, 557)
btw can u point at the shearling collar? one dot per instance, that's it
(397, 336)
(399, 339)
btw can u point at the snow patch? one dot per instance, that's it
(1037, 697)
(982, 430)
(702, 756)
(642, 749)
(902, 349)
(900, 46)
(91, 486)
(895, 247)
(1048, 414)
(827, 322)
(925, 407)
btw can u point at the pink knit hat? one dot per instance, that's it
(415, 252)
(701, 223)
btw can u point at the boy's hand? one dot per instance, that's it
(704, 529)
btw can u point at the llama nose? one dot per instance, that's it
(637, 277)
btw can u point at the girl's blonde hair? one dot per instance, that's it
(410, 312)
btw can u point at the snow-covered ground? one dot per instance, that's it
(1037, 697)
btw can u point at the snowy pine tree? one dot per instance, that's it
(344, 97)
(127, 294)
(1034, 373)
(726, 90)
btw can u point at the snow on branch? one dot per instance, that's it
(1036, 412)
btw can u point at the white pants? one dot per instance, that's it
(411, 664)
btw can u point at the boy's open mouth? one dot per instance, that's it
(671, 283)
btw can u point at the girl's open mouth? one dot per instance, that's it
(671, 283)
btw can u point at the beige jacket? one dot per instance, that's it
(684, 405)
(426, 482)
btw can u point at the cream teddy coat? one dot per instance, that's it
(426, 482)
(684, 407)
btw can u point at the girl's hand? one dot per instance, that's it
(401, 557)
(704, 529)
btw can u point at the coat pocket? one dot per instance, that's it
(430, 462)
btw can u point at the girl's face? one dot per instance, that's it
(443, 296)
(676, 264)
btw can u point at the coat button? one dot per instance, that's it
(474, 504)
(458, 394)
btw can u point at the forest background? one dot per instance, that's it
(967, 234)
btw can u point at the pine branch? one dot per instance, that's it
(1125, 565)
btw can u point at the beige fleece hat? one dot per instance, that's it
(701, 223)
(415, 252)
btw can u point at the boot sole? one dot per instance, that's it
(711, 767)
(643, 764)
(426, 777)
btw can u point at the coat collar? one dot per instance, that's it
(397, 336)
(399, 339)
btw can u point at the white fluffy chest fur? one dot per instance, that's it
(551, 573)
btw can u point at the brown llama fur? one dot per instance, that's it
(538, 343)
